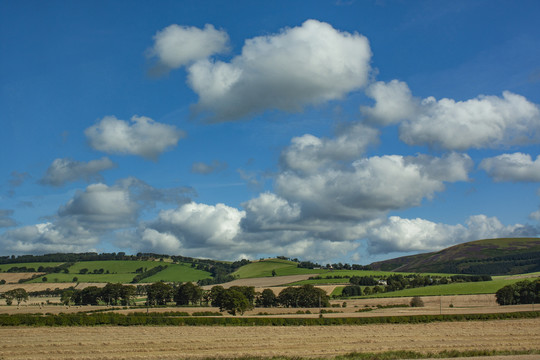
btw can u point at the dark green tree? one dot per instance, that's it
(234, 301)
(216, 295)
(127, 294)
(159, 293)
(111, 293)
(188, 293)
(267, 299)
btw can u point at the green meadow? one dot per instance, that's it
(263, 268)
(462, 288)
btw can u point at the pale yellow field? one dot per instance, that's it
(198, 342)
(13, 278)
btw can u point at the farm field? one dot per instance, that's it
(299, 341)
(13, 278)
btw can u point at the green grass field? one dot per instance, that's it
(467, 288)
(264, 268)
(178, 273)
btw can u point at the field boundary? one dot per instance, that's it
(171, 319)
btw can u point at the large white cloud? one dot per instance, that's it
(482, 122)
(48, 238)
(393, 102)
(102, 207)
(177, 46)
(304, 65)
(512, 167)
(62, 171)
(406, 235)
(200, 225)
(371, 186)
(269, 211)
(143, 137)
(309, 153)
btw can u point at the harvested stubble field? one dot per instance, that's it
(306, 341)
(13, 278)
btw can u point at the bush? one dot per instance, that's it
(417, 302)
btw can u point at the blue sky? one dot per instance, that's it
(347, 131)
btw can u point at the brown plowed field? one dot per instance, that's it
(198, 342)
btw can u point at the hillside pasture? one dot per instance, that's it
(460, 288)
(263, 268)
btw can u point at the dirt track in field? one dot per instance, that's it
(324, 341)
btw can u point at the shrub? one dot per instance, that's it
(417, 302)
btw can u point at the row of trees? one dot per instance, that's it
(234, 300)
(523, 292)
(111, 294)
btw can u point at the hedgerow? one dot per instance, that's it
(176, 319)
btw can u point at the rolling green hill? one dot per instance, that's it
(263, 268)
(504, 256)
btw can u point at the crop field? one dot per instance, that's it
(183, 342)
(13, 278)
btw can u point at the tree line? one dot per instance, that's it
(235, 300)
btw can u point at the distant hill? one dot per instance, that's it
(504, 256)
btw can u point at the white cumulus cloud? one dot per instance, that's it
(300, 66)
(177, 46)
(309, 153)
(143, 136)
(393, 102)
(48, 238)
(62, 171)
(200, 225)
(406, 235)
(102, 207)
(482, 122)
(512, 167)
(370, 186)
